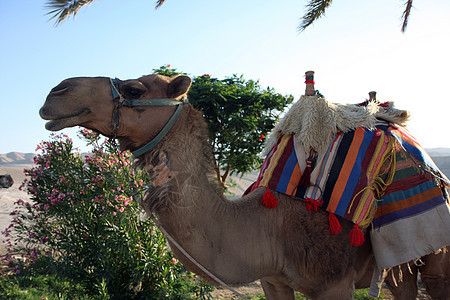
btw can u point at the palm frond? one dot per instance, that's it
(406, 13)
(63, 9)
(159, 3)
(314, 10)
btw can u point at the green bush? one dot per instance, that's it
(83, 225)
(239, 113)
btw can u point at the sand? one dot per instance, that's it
(9, 196)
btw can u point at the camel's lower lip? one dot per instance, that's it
(67, 121)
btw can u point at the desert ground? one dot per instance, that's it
(9, 196)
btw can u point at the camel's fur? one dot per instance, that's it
(239, 241)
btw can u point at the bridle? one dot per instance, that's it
(148, 102)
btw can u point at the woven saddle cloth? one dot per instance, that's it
(366, 167)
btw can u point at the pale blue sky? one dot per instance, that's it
(356, 48)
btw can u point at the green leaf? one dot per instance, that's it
(315, 9)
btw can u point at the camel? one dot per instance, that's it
(6, 181)
(238, 241)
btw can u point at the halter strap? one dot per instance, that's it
(145, 102)
(148, 102)
(160, 135)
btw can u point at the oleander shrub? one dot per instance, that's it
(83, 225)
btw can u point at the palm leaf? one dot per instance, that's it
(406, 13)
(159, 3)
(314, 10)
(63, 9)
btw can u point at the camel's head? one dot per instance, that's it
(91, 101)
(6, 181)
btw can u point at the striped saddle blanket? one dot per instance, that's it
(380, 178)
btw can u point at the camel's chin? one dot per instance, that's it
(56, 124)
(59, 124)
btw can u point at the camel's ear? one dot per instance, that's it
(179, 86)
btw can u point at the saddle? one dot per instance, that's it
(359, 161)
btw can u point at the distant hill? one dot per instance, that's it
(441, 157)
(433, 152)
(16, 158)
(443, 162)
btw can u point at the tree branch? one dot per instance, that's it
(217, 169)
(406, 13)
(225, 175)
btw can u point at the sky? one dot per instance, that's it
(356, 48)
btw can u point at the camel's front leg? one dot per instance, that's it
(276, 290)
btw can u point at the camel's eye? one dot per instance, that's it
(133, 92)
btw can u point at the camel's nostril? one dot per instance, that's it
(60, 89)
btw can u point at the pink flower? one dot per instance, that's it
(174, 260)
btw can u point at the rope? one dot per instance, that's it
(169, 237)
(115, 90)
(185, 253)
(378, 186)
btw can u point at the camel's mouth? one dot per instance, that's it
(56, 123)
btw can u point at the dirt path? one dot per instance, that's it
(253, 289)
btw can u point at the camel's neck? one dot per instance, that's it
(192, 209)
(180, 167)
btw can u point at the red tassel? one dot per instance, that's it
(313, 204)
(334, 226)
(356, 236)
(269, 199)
